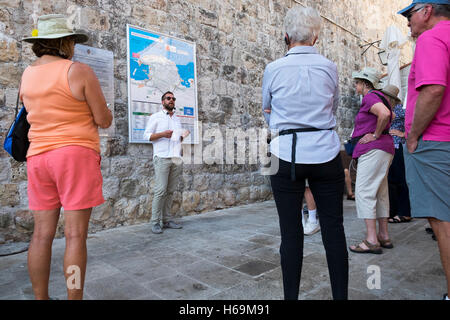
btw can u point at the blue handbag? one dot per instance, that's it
(16, 142)
(349, 147)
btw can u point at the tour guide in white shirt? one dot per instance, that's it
(165, 132)
(300, 95)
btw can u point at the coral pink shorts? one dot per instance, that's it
(68, 177)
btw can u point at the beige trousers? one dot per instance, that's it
(167, 175)
(371, 189)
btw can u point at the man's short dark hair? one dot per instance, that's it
(441, 10)
(164, 95)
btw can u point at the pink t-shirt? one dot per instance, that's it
(431, 65)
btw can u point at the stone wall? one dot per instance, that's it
(235, 40)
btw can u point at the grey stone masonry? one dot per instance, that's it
(235, 39)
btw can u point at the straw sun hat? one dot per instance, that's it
(392, 91)
(54, 26)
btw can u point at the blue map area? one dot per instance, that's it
(143, 46)
(139, 72)
(186, 72)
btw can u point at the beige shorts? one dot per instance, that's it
(371, 188)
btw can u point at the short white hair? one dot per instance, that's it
(302, 24)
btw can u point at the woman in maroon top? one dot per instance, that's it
(374, 151)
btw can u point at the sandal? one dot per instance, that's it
(351, 197)
(399, 219)
(373, 248)
(386, 243)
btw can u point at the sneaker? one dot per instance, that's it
(157, 229)
(445, 297)
(304, 215)
(311, 228)
(305, 209)
(172, 225)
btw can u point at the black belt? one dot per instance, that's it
(294, 143)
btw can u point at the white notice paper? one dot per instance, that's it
(102, 62)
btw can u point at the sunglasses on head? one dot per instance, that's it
(170, 98)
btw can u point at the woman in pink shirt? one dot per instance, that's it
(374, 152)
(65, 106)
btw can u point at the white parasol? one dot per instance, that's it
(392, 42)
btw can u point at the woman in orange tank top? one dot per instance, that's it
(65, 106)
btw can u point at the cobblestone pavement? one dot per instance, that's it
(233, 254)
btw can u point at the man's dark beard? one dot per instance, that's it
(169, 108)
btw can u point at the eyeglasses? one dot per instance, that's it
(170, 98)
(411, 13)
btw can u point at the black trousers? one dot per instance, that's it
(326, 182)
(398, 189)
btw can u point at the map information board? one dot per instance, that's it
(158, 63)
(102, 63)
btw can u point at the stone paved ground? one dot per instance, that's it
(233, 254)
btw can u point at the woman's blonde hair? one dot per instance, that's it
(61, 47)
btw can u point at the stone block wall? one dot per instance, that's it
(235, 40)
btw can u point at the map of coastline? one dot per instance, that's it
(158, 64)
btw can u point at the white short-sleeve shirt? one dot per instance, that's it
(164, 147)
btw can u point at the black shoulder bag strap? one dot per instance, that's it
(17, 102)
(385, 102)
